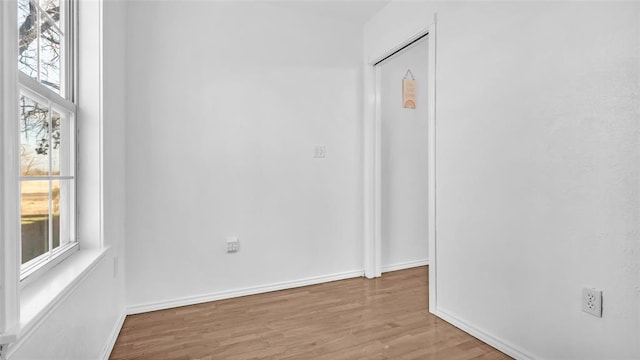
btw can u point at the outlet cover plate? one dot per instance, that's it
(233, 244)
(592, 302)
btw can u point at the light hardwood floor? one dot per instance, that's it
(384, 318)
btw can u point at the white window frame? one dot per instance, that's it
(23, 309)
(62, 102)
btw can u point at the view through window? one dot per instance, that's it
(47, 143)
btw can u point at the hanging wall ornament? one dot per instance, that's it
(409, 91)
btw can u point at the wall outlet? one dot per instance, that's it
(592, 302)
(233, 244)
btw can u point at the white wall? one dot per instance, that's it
(537, 169)
(114, 120)
(404, 160)
(225, 102)
(83, 325)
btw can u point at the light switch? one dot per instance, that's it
(319, 151)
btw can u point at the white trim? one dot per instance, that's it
(498, 343)
(431, 195)
(372, 161)
(368, 170)
(198, 299)
(68, 276)
(113, 337)
(35, 268)
(46, 178)
(101, 123)
(405, 265)
(377, 176)
(3, 102)
(9, 169)
(42, 94)
(89, 127)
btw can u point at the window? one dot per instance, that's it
(47, 115)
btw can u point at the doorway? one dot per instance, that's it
(404, 157)
(373, 158)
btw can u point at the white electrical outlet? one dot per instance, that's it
(233, 244)
(592, 301)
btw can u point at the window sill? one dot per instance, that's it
(40, 297)
(44, 266)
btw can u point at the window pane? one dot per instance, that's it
(55, 143)
(55, 208)
(27, 40)
(61, 144)
(34, 138)
(24, 10)
(62, 209)
(34, 218)
(52, 8)
(50, 57)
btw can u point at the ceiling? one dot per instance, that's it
(355, 11)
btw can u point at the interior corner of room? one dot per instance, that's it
(244, 148)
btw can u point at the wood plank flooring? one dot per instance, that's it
(384, 318)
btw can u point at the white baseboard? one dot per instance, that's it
(198, 299)
(114, 336)
(502, 345)
(404, 265)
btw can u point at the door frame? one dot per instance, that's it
(372, 161)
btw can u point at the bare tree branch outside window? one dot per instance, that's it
(45, 59)
(38, 55)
